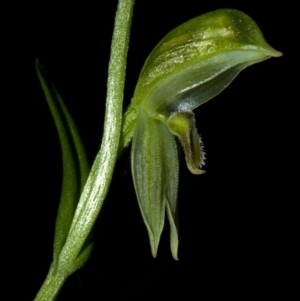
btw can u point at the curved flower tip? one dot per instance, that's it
(276, 53)
(270, 51)
(183, 125)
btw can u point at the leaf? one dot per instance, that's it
(75, 163)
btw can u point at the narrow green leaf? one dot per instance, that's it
(75, 164)
(84, 167)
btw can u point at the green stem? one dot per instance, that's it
(99, 179)
(101, 173)
(52, 285)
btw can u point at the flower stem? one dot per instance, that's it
(99, 179)
(52, 285)
(101, 173)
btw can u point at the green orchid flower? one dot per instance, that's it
(191, 65)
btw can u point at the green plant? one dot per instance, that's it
(206, 54)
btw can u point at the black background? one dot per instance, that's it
(234, 220)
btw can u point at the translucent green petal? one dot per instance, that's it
(195, 54)
(154, 164)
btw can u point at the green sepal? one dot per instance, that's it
(154, 165)
(75, 167)
(198, 59)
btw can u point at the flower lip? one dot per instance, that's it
(183, 125)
